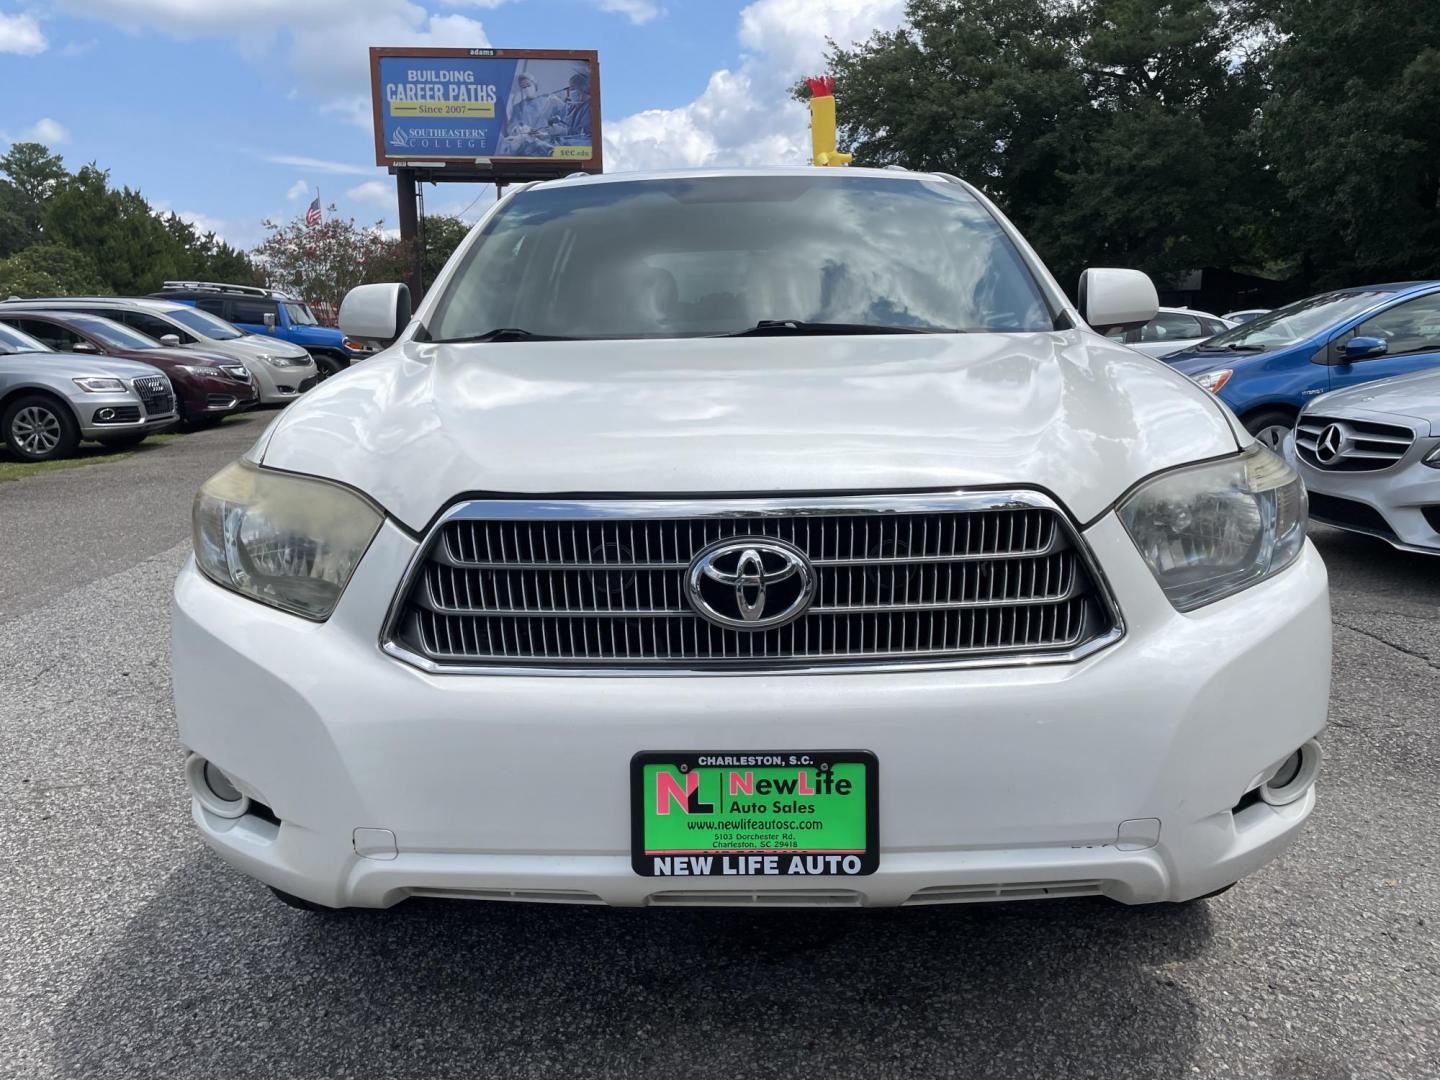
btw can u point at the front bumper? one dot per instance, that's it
(1399, 504)
(130, 416)
(277, 385)
(995, 783)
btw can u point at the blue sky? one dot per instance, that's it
(229, 112)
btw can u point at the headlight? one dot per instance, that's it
(202, 370)
(1210, 530)
(1433, 458)
(291, 542)
(276, 361)
(352, 345)
(94, 384)
(1214, 380)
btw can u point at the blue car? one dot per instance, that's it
(269, 311)
(1268, 368)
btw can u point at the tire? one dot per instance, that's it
(37, 427)
(326, 365)
(122, 442)
(299, 904)
(1272, 424)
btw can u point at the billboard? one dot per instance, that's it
(492, 112)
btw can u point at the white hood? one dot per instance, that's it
(1067, 412)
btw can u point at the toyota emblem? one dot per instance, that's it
(750, 583)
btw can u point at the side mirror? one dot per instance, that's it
(269, 319)
(170, 339)
(84, 347)
(1112, 299)
(375, 312)
(1364, 348)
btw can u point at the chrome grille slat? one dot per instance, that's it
(1368, 444)
(600, 586)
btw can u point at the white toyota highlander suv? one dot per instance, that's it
(752, 537)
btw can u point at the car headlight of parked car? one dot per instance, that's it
(288, 541)
(1210, 530)
(352, 345)
(281, 361)
(1214, 380)
(203, 370)
(94, 384)
(1433, 458)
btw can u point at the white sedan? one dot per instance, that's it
(1171, 330)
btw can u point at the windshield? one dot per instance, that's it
(719, 255)
(203, 323)
(113, 333)
(1301, 320)
(301, 315)
(12, 340)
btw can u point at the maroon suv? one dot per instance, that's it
(208, 386)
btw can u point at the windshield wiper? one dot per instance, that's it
(504, 333)
(1233, 346)
(777, 327)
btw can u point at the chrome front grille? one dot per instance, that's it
(602, 585)
(1347, 445)
(155, 394)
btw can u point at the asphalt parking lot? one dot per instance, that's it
(127, 950)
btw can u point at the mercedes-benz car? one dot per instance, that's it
(768, 537)
(1370, 459)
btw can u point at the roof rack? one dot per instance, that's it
(221, 287)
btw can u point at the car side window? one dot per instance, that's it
(1212, 326)
(212, 305)
(58, 338)
(251, 311)
(1171, 326)
(1411, 327)
(156, 328)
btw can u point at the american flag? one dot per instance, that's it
(312, 216)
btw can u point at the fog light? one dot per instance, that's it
(1294, 776)
(105, 415)
(215, 791)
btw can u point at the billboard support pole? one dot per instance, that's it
(409, 228)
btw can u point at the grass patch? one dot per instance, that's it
(87, 454)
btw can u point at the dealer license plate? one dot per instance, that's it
(774, 813)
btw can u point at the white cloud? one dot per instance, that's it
(792, 33)
(21, 34)
(637, 11)
(50, 132)
(203, 223)
(324, 42)
(746, 116)
(298, 190)
(71, 49)
(334, 168)
(372, 191)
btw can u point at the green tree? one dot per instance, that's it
(321, 263)
(33, 173)
(206, 257)
(1111, 131)
(117, 229)
(50, 270)
(443, 233)
(1351, 132)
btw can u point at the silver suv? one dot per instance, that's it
(50, 401)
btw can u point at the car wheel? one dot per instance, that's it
(39, 428)
(122, 442)
(1270, 428)
(326, 365)
(299, 904)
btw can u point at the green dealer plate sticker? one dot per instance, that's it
(768, 813)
